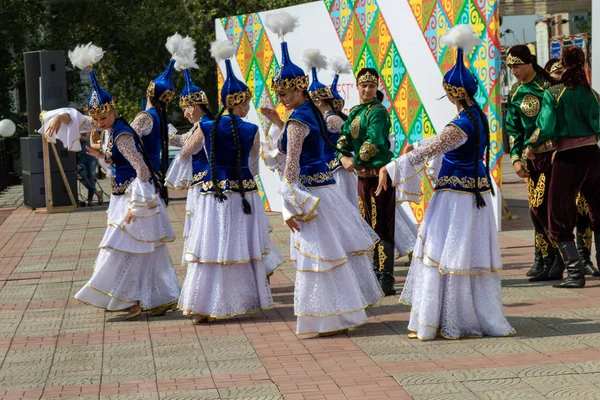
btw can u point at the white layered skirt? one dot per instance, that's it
(133, 266)
(405, 231)
(453, 285)
(228, 255)
(335, 281)
(348, 184)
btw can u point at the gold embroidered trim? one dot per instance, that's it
(165, 97)
(381, 256)
(367, 78)
(535, 192)
(97, 109)
(361, 208)
(367, 151)
(317, 178)
(248, 184)
(120, 188)
(587, 238)
(334, 165)
(373, 213)
(338, 105)
(355, 127)
(541, 244)
(465, 182)
(557, 66)
(192, 99)
(530, 105)
(582, 205)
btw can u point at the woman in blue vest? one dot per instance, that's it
(453, 284)
(192, 161)
(331, 244)
(228, 247)
(133, 270)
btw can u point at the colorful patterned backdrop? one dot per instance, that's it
(367, 42)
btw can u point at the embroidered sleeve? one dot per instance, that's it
(515, 130)
(126, 145)
(254, 156)
(334, 123)
(142, 124)
(450, 138)
(193, 145)
(178, 140)
(546, 122)
(296, 133)
(378, 129)
(87, 124)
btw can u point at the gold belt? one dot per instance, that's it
(368, 172)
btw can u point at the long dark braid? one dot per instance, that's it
(340, 114)
(213, 133)
(236, 138)
(486, 127)
(323, 127)
(161, 109)
(158, 183)
(478, 198)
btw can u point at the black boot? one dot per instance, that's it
(576, 277)
(584, 247)
(384, 260)
(553, 267)
(538, 263)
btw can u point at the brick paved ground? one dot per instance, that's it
(52, 346)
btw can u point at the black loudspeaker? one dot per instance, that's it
(45, 84)
(34, 189)
(32, 157)
(46, 89)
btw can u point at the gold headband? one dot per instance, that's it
(513, 60)
(323, 93)
(98, 109)
(193, 98)
(165, 97)
(235, 99)
(556, 67)
(457, 92)
(367, 77)
(285, 85)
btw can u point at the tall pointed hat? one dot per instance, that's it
(289, 76)
(317, 61)
(162, 87)
(84, 57)
(185, 61)
(340, 66)
(234, 92)
(459, 82)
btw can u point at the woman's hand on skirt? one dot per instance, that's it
(382, 181)
(293, 225)
(129, 217)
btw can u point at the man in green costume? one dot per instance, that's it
(366, 134)
(524, 103)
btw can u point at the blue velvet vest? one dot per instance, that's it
(152, 141)
(123, 171)
(313, 168)
(199, 160)
(457, 172)
(225, 156)
(329, 153)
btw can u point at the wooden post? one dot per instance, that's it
(48, 181)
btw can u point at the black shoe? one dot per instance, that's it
(585, 253)
(575, 276)
(387, 284)
(553, 268)
(538, 264)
